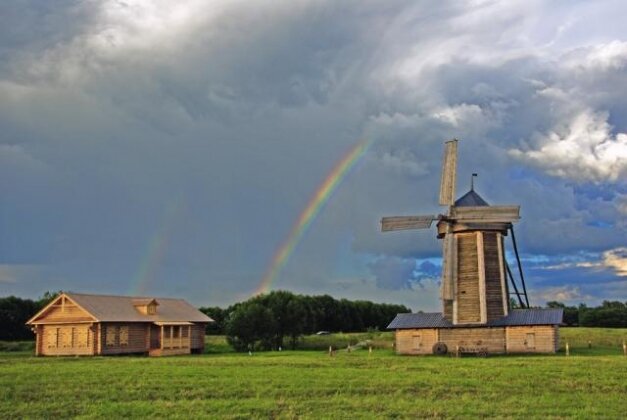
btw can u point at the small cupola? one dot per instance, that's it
(147, 306)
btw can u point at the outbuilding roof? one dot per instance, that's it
(517, 317)
(106, 308)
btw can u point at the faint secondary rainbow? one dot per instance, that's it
(156, 248)
(316, 203)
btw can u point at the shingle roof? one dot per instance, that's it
(472, 199)
(120, 308)
(519, 317)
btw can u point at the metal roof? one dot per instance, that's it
(419, 320)
(120, 308)
(470, 199)
(517, 317)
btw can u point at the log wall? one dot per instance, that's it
(492, 339)
(119, 338)
(417, 341)
(198, 338)
(66, 340)
(533, 339)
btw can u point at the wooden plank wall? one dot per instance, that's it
(447, 306)
(468, 303)
(416, 341)
(491, 338)
(544, 339)
(494, 292)
(136, 338)
(66, 313)
(66, 340)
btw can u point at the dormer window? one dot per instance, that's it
(146, 306)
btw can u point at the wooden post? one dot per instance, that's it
(180, 337)
(171, 335)
(330, 351)
(625, 348)
(369, 350)
(589, 344)
(567, 349)
(162, 338)
(189, 337)
(456, 351)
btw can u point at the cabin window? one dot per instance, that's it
(123, 336)
(184, 332)
(110, 335)
(152, 309)
(55, 339)
(176, 331)
(66, 337)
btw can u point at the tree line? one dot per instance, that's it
(611, 314)
(280, 318)
(15, 311)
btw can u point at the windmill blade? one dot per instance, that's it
(496, 214)
(407, 222)
(449, 174)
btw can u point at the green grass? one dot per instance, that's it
(310, 384)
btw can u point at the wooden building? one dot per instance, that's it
(521, 331)
(81, 324)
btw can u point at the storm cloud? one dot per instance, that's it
(170, 147)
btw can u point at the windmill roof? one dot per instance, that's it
(470, 199)
(517, 317)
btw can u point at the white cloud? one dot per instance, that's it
(582, 149)
(565, 294)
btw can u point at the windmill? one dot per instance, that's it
(474, 286)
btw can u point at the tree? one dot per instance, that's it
(250, 327)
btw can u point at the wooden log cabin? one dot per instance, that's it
(521, 331)
(76, 324)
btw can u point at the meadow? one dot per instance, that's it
(591, 382)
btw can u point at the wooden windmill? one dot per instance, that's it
(474, 287)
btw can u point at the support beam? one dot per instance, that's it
(522, 278)
(501, 253)
(483, 309)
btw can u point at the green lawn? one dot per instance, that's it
(589, 383)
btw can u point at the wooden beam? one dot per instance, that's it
(483, 310)
(504, 290)
(489, 214)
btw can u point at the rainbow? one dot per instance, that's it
(316, 203)
(156, 249)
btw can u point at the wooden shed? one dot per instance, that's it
(82, 324)
(521, 331)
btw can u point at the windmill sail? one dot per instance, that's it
(406, 222)
(449, 174)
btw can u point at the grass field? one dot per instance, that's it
(589, 383)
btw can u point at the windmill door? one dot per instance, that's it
(530, 341)
(417, 342)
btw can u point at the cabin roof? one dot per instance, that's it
(105, 308)
(471, 199)
(517, 317)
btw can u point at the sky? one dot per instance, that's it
(171, 148)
